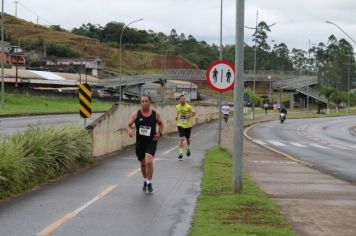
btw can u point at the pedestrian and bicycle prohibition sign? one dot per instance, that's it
(221, 76)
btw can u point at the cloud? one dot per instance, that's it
(297, 21)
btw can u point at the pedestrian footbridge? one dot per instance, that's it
(266, 82)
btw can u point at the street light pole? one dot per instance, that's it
(125, 26)
(255, 63)
(332, 23)
(2, 55)
(348, 85)
(348, 77)
(254, 70)
(120, 72)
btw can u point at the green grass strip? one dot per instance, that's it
(27, 105)
(220, 212)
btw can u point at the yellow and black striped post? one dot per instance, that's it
(85, 100)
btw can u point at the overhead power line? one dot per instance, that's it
(35, 13)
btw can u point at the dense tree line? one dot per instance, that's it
(332, 61)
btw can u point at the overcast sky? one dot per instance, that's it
(297, 21)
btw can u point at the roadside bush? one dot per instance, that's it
(59, 50)
(38, 154)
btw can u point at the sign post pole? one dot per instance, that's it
(221, 77)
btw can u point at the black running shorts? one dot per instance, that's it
(143, 148)
(184, 132)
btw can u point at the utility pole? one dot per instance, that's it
(238, 97)
(37, 20)
(16, 2)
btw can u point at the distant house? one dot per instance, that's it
(13, 55)
(91, 66)
(173, 89)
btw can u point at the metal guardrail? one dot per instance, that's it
(129, 80)
(261, 75)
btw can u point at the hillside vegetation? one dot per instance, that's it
(64, 44)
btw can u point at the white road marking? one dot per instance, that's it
(298, 144)
(259, 142)
(276, 143)
(134, 172)
(340, 147)
(274, 162)
(318, 146)
(197, 134)
(169, 150)
(52, 227)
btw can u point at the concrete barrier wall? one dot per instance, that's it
(109, 130)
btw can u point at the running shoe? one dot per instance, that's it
(188, 152)
(144, 188)
(149, 188)
(180, 157)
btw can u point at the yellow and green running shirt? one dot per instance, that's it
(183, 115)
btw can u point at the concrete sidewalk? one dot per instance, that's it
(313, 202)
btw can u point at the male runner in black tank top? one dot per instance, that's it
(147, 137)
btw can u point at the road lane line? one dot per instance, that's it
(134, 172)
(340, 147)
(298, 144)
(259, 142)
(197, 134)
(276, 143)
(49, 229)
(318, 146)
(285, 155)
(169, 150)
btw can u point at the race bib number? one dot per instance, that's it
(183, 120)
(145, 130)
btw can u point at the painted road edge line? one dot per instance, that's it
(169, 150)
(275, 150)
(49, 229)
(134, 172)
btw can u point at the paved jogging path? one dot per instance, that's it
(107, 199)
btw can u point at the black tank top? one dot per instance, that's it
(145, 127)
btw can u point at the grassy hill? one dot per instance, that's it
(33, 37)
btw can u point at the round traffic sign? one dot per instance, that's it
(221, 76)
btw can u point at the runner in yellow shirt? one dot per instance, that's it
(184, 113)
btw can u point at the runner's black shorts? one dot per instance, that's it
(184, 132)
(143, 148)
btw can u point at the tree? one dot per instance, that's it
(57, 28)
(299, 59)
(253, 97)
(260, 36)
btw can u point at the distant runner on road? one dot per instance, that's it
(184, 113)
(225, 110)
(146, 121)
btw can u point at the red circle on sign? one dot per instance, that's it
(207, 75)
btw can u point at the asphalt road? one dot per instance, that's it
(107, 199)
(329, 144)
(12, 125)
